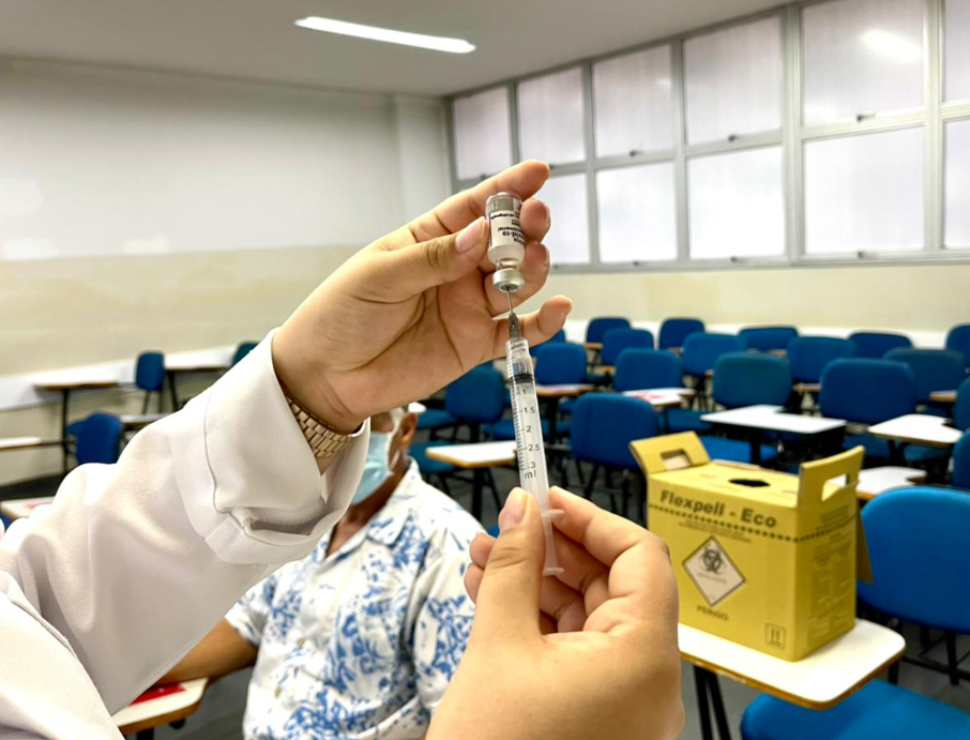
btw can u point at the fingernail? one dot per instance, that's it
(471, 236)
(514, 510)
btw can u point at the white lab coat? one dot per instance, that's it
(102, 592)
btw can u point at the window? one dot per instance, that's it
(483, 139)
(957, 199)
(861, 58)
(736, 204)
(957, 61)
(637, 213)
(734, 81)
(551, 117)
(568, 239)
(633, 102)
(864, 193)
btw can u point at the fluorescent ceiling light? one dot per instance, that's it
(437, 43)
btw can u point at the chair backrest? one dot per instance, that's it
(643, 369)
(958, 340)
(767, 338)
(934, 369)
(702, 350)
(674, 331)
(875, 344)
(961, 410)
(560, 363)
(808, 356)
(603, 425)
(99, 440)
(559, 336)
(961, 463)
(478, 396)
(617, 340)
(867, 391)
(746, 379)
(597, 328)
(242, 350)
(916, 536)
(150, 371)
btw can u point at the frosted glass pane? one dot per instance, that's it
(957, 232)
(551, 117)
(483, 140)
(864, 193)
(568, 239)
(957, 60)
(736, 204)
(734, 81)
(861, 56)
(637, 215)
(633, 103)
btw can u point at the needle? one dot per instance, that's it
(513, 319)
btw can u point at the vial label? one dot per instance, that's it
(505, 229)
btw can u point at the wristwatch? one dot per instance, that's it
(324, 442)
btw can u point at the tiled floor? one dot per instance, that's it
(221, 714)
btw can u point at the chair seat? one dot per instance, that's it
(734, 450)
(435, 419)
(878, 450)
(426, 465)
(878, 711)
(685, 420)
(505, 429)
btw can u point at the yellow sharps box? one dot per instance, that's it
(763, 558)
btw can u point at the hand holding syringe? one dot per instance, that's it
(506, 250)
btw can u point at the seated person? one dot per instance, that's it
(361, 638)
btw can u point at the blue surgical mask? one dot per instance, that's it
(376, 467)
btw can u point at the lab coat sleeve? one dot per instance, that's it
(135, 562)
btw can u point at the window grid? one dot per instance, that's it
(792, 138)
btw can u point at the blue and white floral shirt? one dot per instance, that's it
(362, 644)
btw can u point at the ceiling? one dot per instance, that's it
(256, 39)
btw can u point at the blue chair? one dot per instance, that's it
(958, 340)
(961, 463)
(242, 350)
(645, 369)
(434, 420)
(961, 409)
(870, 392)
(701, 351)
(603, 427)
(768, 338)
(809, 356)
(429, 467)
(597, 328)
(934, 369)
(99, 440)
(150, 376)
(874, 345)
(916, 537)
(559, 336)
(617, 340)
(477, 398)
(674, 331)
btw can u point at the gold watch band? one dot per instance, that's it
(324, 442)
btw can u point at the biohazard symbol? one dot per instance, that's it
(713, 562)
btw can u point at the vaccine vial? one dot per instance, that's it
(506, 242)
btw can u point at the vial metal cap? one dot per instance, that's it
(508, 279)
(500, 202)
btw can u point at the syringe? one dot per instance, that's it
(528, 433)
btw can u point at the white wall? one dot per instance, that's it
(103, 162)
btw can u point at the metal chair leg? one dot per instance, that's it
(588, 492)
(952, 662)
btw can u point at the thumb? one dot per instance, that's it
(508, 599)
(438, 261)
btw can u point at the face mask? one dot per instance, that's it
(376, 467)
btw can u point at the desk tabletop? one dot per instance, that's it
(20, 508)
(773, 418)
(943, 396)
(919, 429)
(80, 384)
(196, 367)
(475, 455)
(662, 398)
(817, 681)
(874, 481)
(25, 443)
(140, 420)
(807, 387)
(161, 705)
(593, 345)
(569, 389)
